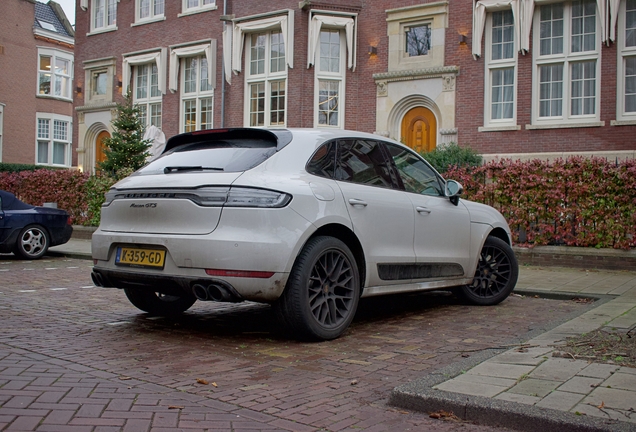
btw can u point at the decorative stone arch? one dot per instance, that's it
(90, 143)
(405, 105)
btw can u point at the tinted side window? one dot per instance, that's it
(416, 175)
(363, 162)
(323, 162)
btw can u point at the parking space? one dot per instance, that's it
(75, 355)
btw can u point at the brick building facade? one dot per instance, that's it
(36, 98)
(516, 77)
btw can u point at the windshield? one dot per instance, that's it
(225, 156)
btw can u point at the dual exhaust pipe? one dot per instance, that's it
(211, 292)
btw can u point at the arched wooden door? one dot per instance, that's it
(419, 129)
(99, 147)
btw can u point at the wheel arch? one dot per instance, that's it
(349, 238)
(500, 233)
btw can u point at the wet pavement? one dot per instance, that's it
(74, 357)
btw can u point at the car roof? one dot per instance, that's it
(321, 135)
(281, 136)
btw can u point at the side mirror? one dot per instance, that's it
(453, 190)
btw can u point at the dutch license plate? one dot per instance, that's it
(140, 257)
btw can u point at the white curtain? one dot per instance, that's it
(613, 11)
(479, 20)
(208, 49)
(158, 57)
(227, 52)
(527, 12)
(284, 22)
(333, 21)
(602, 14)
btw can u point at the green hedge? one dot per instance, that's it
(575, 202)
(452, 155)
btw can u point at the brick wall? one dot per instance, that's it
(18, 78)
(18, 81)
(360, 100)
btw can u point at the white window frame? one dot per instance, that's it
(567, 59)
(186, 9)
(268, 79)
(152, 14)
(203, 47)
(109, 15)
(339, 78)
(54, 55)
(91, 69)
(51, 138)
(158, 56)
(495, 65)
(328, 19)
(624, 52)
(234, 38)
(198, 96)
(149, 101)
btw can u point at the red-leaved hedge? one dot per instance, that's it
(64, 187)
(575, 202)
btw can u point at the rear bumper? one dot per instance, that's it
(234, 289)
(61, 236)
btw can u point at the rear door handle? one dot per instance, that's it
(422, 210)
(357, 202)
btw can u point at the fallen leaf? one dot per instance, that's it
(176, 407)
(354, 382)
(441, 414)
(602, 405)
(124, 378)
(202, 381)
(214, 384)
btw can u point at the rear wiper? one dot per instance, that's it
(173, 169)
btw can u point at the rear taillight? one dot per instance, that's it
(211, 196)
(249, 197)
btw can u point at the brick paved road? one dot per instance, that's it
(78, 358)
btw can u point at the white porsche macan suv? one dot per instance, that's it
(308, 220)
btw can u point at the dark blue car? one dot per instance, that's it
(29, 231)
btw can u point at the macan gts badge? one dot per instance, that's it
(307, 220)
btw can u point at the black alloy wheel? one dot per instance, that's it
(496, 274)
(322, 292)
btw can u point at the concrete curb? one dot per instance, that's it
(577, 257)
(419, 395)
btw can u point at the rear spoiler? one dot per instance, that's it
(278, 137)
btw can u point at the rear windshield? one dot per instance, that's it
(212, 155)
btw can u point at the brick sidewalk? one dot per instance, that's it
(78, 358)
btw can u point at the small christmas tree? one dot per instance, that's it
(126, 148)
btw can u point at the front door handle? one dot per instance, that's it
(357, 202)
(422, 210)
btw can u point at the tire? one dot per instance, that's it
(323, 290)
(495, 277)
(33, 242)
(159, 304)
